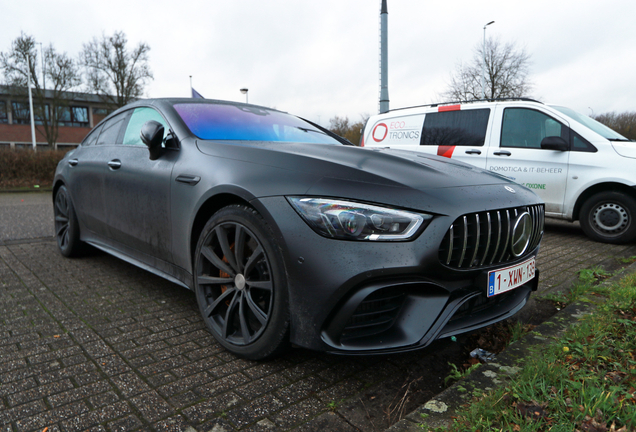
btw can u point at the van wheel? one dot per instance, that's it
(608, 217)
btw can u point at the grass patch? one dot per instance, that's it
(587, 284)
(26, 168)
(586, 381)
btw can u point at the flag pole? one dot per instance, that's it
(31, 104)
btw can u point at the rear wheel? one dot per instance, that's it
(67, 230)
(608, 217)
(240, 284)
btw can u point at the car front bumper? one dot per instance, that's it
(358, 297)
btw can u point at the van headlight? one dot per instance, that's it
(354, 221)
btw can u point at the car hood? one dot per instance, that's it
(376, 174)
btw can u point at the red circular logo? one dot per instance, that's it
(376, 132)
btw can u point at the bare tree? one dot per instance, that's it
(624, 123)
(507, 69)
(61, 74)
(115, 72)
(345, 128)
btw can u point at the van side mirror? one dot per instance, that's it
(554, 143)
(152, 135)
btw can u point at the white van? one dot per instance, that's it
(582, 169)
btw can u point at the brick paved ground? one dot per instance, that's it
(97, 344)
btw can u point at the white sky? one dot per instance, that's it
(318, 59)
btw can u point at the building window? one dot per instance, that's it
(4, 114)
(22, 115)
(73, 116)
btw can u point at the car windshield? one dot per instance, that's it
(248, 123)
(597, 127)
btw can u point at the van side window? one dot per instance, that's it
(525, 128)
(581, 144)
(456, 128)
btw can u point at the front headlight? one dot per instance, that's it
(354, 221)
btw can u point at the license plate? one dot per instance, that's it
(509, 278)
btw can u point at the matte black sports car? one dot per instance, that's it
(287, 233)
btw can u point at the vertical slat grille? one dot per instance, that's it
(482, 239)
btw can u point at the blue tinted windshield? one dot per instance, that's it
(248, 123)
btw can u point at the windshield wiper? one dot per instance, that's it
(310, 130)
(621, 139)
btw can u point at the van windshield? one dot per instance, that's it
(597, 127)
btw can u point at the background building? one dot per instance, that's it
(79, 114)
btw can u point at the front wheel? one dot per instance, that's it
(240, 284)
(608, 217)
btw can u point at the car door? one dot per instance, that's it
(516, 153)
(457, 133)
(86, 182)
(137, 191)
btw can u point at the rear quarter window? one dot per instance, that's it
(456, 128)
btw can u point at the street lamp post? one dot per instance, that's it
(244, 91)
(483, 65)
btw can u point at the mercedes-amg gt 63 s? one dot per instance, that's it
(288, 234)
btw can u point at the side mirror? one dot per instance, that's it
(554, 143)
(152, 135)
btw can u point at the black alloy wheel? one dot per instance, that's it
(238, 284)
(66, 225)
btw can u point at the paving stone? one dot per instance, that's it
(326, 422)
(300, 389)
(152, 406)
(83, 392)
(44, 419)
(39, 392)
(221, 385)
(125, 424)
(298, 413)
(212, 407)
(93, 418)
(130, 384)
(255, 410)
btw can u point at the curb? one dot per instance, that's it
(44, 189)
(440, 411)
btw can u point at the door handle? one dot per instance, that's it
(114, 164)
(473, 151)
(502, 153)
(73, 162)
(188, 179)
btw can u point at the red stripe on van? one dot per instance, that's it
(446, 151)
(449, 108)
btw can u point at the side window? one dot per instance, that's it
(92, 137)
(526, 128)
(456, 128)
(581, 144)
(110, 129)
(137, 120)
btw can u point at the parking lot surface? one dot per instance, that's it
(94, 343)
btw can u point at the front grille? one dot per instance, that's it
(374, 314)
(483, 239)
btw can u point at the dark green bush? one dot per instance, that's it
(26, 168)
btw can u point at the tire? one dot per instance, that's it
(240, 284)
(67, 231)
(608, 217)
